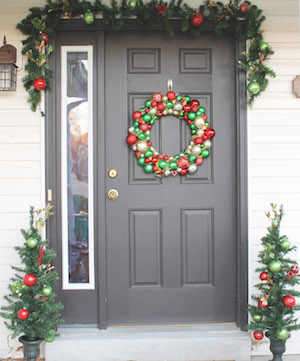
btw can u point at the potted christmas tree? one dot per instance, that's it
(32, 310)
(274, 309)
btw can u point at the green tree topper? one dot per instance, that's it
(31, 308)
(275, 307)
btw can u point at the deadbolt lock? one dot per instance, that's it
(113, 173)
(113, 194)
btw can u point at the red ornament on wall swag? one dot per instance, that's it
(23, 314)
(197, 19)
(39, 84)
(44, 37)
(244, 8)
(29, 279)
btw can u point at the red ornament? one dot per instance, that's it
(131, 139)
(44, 36)
(147, 160)
(258, 335)
(154, 160)
(153, 104)
(147, 110)
(194, 109)
(261, 304)
(149, 126)
(171, 95)
(29, 279)
(204, 117)
(197, 19)
(183, 172)
(149, 143)
(39, 84)
(136, 115)
(160, 107)
(137, 153)
(166, 157)
(199, 161)
(155, 168)
(198, 140)
(244, 8)
(289, 301)
(161, 156)
(157, 97)
(23, 314)
(194, 103)
(183, 163)
(187, 108)
(263, 276)
(209, 133)
(144, 127)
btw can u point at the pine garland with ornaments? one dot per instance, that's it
(275, 307)
(240, 18)
(179, 106)
(31, 308)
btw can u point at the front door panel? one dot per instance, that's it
(170, 242)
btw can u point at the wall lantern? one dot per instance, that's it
(8, 68)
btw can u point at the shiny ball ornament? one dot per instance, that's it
(263, 46)
(141, 161)
(39, 84)
(197, 19)
(46, 291)
(254, 88)
(173, 165)
(147, 117)
(258, 335)
(244, 8)
(199, 122)
(89, 17)
(198, 140)
(132, 4)
(23, 314)
(171, 95)
(263, 276)
(191, 116)
(289, 301)
(162, 164)
(131, 139)
(205, 153)
(44, 37)
(192, 168)
(210, 133)
(32, 242)
(261, 304)
(29, 279)
(207, 143)
(285, 244)
(196, 150)
(257, 318)
(283, 333)
(148, 168)
(136, 115)
(142, 146)
(178, 107)
(275, 266)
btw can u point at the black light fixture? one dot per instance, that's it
(8, 68)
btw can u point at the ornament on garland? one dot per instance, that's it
(29, 279)
(132, 4)
(289, 301)
(197, 19)
(161, 9)
(244, 8)
(285, 244)
(44, 37)
(23, 314)
(89, 17)
(39, 84)
(254, 87)
(258, 335)
(263, 46)
(275, 266)
(184, 108)
(32, 242)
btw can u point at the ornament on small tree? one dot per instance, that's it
(258, 335)
(244, 8)
(197, 19)
(29, 279)
(89, 17)
(274, 312)
(263, 46)
(32, 242)
(23, 314)
(39, 84)
(46, 291)
(132, 4)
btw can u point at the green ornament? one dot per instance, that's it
(141, 136)
(263, 46)
(148, 153)
(194, 131)
(136, 130)
(257, 318)
(185, 152)
(141, 161)
(32, 242)
(148, 137)
(148, 168)
(191, 116)
(51, 336)
(192, 158)
(198, 113)
(181, 114)
(275, 266)
(178, 98)
(187, 99)
(152, 121)
(202, 110)
(147, 117)
(205, 153)
(132, 3)
(173, 165)
(148, 103)
(285, 244)
(89, 17)
(162, 164)
(169, 104)
(193, 126)
(282, 334)
(46, 291)
(136, 124)
(177, 156)
(202, 145)
(254, 87)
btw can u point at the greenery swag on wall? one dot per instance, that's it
(243, 20)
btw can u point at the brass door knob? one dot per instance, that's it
(113, 194)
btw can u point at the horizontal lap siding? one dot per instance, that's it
(273, 138)
(274, 144)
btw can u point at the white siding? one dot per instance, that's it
(274, 145)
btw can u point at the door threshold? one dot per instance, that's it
(176, 325)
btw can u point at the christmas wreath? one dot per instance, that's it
(179, 106)
(239, 18)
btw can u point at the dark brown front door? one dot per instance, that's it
(170, 243)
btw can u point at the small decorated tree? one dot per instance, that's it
(32, 310)
(274, 309)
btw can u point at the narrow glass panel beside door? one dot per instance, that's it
(77, 168)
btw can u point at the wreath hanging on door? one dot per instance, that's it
(181, 107)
